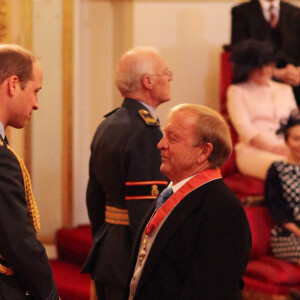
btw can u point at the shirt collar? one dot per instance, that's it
(178, 185)
(2, 132)
(265, 4)
(151, 109)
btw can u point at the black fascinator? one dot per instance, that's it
(291, 121)
(249, 55)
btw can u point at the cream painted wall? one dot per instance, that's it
(46, 122)
(93, 88)
(189, 35)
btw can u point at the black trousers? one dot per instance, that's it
(108, 292)
(11, 289)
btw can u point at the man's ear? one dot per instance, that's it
(12, 83)
(204, 152)
(148, 82)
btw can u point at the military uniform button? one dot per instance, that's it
(27, 293)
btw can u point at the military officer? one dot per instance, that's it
(124, 172)
(25, 272)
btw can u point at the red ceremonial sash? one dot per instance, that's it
(195, 182)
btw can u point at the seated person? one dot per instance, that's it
(275, 21)
(283, 194)
(255, 105)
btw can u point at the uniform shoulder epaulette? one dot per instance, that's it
(110, 113)
(148, 118)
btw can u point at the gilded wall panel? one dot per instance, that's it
(4, 20)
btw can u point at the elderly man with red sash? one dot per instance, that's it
(196, 242)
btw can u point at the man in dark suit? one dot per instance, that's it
(275, 21)
(25, 272)
(197, 242)
(124, 176)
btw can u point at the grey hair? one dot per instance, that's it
(132, 66)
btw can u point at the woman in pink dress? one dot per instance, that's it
(256, 104)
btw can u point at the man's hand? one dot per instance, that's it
(289, 75)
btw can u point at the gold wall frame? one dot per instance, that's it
(4, 21)
(67, 111)
(67, 103)
(67, 106)
(27, 24)
(237, 1)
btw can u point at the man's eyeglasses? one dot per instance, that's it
(167, 73)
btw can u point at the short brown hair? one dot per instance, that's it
(15, 60)
(212, 128)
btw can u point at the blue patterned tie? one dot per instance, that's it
(163, 197)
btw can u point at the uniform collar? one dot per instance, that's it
(151, 109)
(138, 104)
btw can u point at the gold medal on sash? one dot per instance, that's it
(143, 250)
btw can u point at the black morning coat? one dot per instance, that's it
(200, 252)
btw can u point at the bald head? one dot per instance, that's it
(142, 74)
(133, 65)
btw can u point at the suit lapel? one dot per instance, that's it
(137, 239)
(282, 20)
(140, 231)
(258, 16)
(183, 209)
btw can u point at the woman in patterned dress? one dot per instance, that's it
(282, 193)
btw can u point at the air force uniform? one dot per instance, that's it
(124, 180)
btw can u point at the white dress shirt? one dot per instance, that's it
(2, 132)
(266, 4)
(140, 266)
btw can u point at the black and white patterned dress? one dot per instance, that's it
(282, 193)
